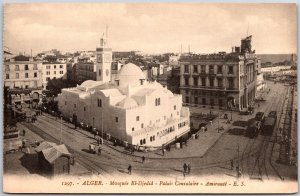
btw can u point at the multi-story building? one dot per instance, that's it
(224, 80)
(71, 71)
(115, 68)
(85, 71)
(53, 70)
(22, 72)
(129, 108)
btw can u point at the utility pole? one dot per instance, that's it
(106, 31)
(60, 129)
(238, 151)
(181, 49)
(219, 113)
(238, 170)
(102, 125)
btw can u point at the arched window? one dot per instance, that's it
(99, 103)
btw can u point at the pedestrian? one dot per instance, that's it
(129, 169)
(99, 151)
(163, 151)
(239, 173)
(184, 168)
(24, 132)
(231, 164)
(143, 159)
(280, 130)
(258, 105)
(23, 144)
(188, 168)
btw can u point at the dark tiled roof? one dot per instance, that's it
(53, 62)
(21, 58)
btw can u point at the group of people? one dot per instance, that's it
(186, 169)
(239, 172)
(32, 118)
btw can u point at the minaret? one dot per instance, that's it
(104, 60)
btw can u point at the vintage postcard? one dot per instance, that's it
(173, 98)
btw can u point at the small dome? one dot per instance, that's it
(127, 103)
(130, 74)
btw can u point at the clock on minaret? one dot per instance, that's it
(99, 58)
(107, 58)
(103, 61)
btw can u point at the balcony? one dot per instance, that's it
(211, 73)
(203, 74)
(231, 88)
(219, 74)
(186, 73)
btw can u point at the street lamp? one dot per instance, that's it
(238, 167)
(102, 126)
(231, 104)
(60, 128)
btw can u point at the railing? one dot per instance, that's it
(202, 73)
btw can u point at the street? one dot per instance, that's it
(254, 156)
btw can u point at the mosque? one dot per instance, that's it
(130, 108)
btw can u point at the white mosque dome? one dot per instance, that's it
(127, 103)
(130, 74)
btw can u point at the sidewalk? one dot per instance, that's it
(195, 147)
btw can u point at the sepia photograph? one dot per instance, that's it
(150, 98)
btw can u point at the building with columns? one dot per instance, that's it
(131, 109)
(220, 80)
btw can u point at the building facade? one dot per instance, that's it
(54, 70)
(129, 108)
(223, 80)
(23, 72)
(273, 69)
(85, 71)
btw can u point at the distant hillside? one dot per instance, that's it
(274, 58)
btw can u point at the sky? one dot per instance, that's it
(150, 27)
